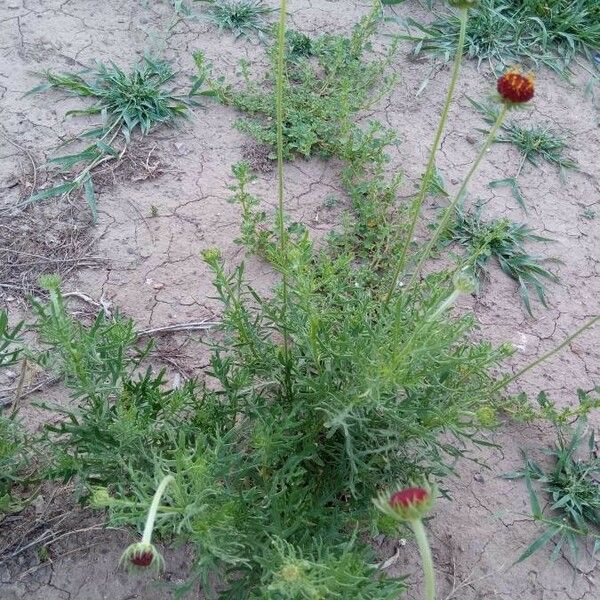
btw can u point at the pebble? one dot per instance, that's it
(479, 478)
(471, 139)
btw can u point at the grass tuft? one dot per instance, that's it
(571, 515)
(535, 143)
(240, 17)
(504, 32)
(503, 240)
(126, 103)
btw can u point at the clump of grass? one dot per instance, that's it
(240, 17)
(535, 143)
(571, 515)
(505, 241)
(504, 32)
(127, 103)
(328, 81)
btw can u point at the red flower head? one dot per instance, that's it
(142, 559)
(142, 555)
(515, 87)
(404, 498)
(409, 504)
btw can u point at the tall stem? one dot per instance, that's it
(426, 559)
(415, 209)
(450, 208)
(279, 83)
(149, 527)
(547, 355)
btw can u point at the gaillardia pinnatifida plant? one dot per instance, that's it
(143, 554)
(515, 87)
(410, 505)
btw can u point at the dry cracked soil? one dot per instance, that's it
(168, 202)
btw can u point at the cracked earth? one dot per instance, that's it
(152, 269)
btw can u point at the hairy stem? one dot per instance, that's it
(149, 527)
(279, 83)
(426, 559)
(463, 188)
(415, 209)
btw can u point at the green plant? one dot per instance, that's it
(15, 454)
(534, 143)
(572, 485)
(126, 103)
(13, 448)
(362, 392)
(588, 213)
(320, 394)
(327, 81)
(506, 32)
(10, 341)
(545, 408)
(298, 45)
(504, 240)
(240, 17)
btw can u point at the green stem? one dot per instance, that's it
(149, 527)
(415, 209)
(279, 82)
(426, 558)
(450, 208)
(505, 382)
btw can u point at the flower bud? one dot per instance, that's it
(515, 87)
(464, 283)
(142, 556)
(408, 504)
(211, 255)
(100, 498)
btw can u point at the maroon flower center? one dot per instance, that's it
(142, 559)
(409, 496)
(516, 87)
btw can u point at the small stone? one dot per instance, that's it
(471, 139)
(158, 286)
(478, 477)
(454, 181)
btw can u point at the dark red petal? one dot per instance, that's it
(516, 87)
(408, 496)
(142, 559)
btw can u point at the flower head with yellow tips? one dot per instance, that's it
(516, 87)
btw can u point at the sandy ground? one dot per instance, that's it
(149, 266)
